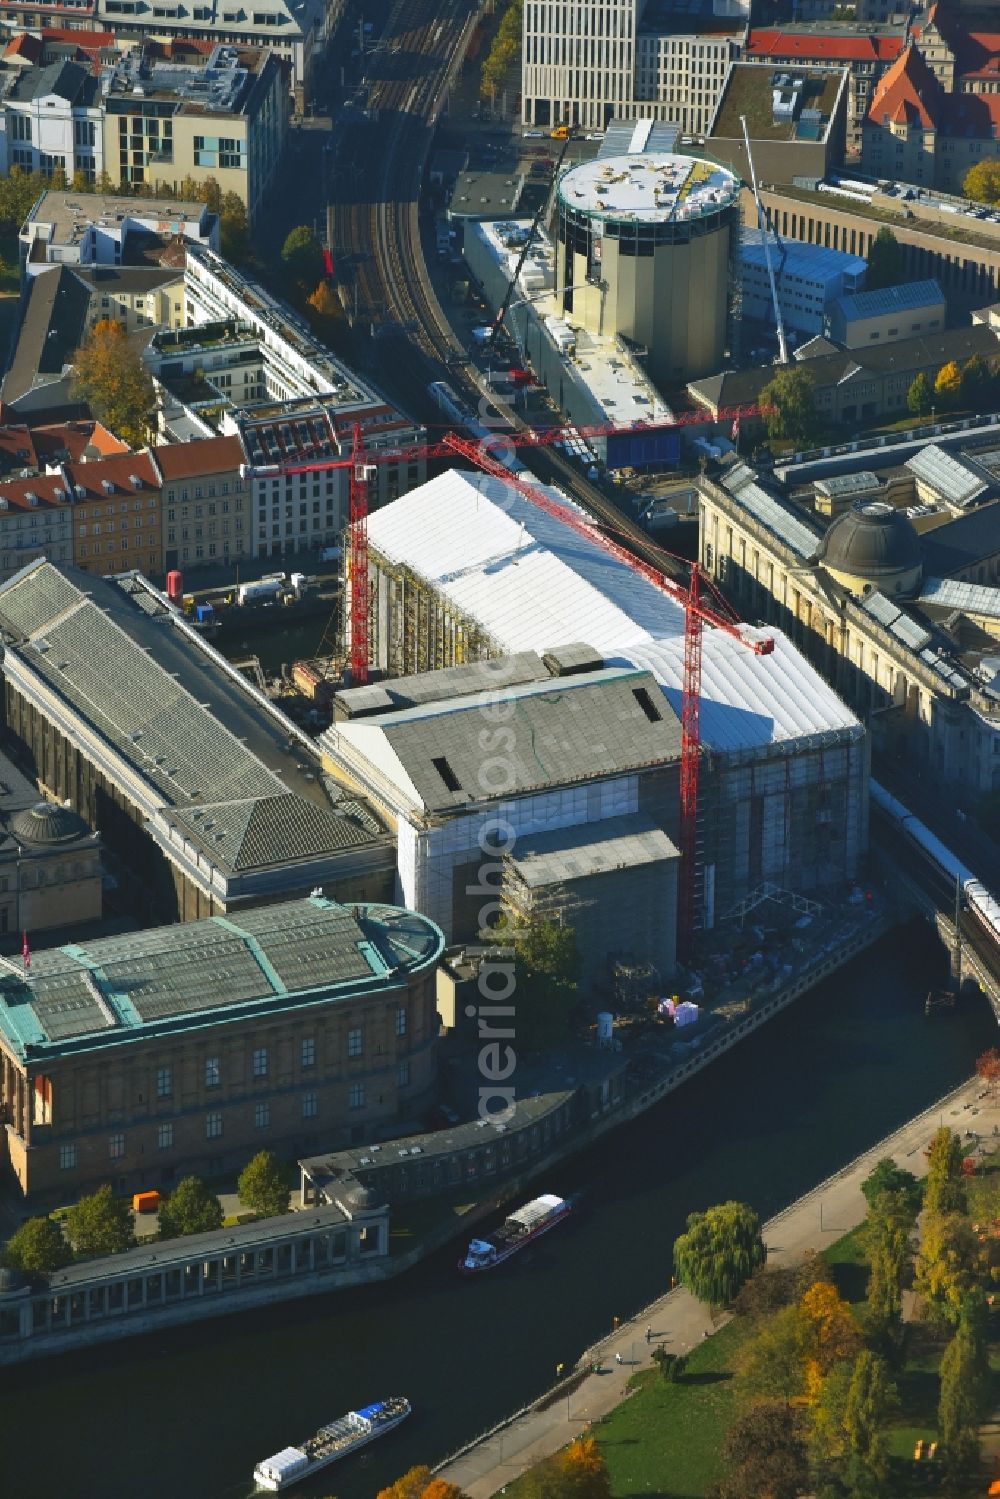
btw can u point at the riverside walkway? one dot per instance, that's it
(678, 1321)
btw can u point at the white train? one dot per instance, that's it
(983, 905)
(446, 400)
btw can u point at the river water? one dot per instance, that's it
(185, 1414)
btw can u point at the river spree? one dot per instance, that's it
(185, 1414)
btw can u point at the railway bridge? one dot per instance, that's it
(974, 954)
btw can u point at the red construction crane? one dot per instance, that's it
(698, 611)
(361, 473)
(526, 437)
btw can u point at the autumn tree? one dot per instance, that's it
(546, 978)
(719, 1251)
(832, 1335)
(233, 227)
(871, 1397)
(324, 303)
(262, 1186)
(920, 396)
(37, 1246)
(766, 1452)
(886, 261)
(789, 401)
(18, 192)
(892, 1213)
(977, 381)
(948, 383)
(190, 1209)
(946, 1265)
(768, 1290)
(100, 1223)
(828, 1435)
(418, 1484)
(982, 182)
(945, 1189)
(302, 254)
(503, 52)
(988, 1068)
(965, 1379)
(578, 1472)
(210, 193)
(772, 1366)
(109, 375)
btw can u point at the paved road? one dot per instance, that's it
(678, 1321)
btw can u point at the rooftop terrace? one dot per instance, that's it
(749, 91)
(650, 187)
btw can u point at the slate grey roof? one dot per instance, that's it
(590, 849)
(968, 539)
(68, 80)
(221, 765)
(557, 732)
(742, 387)
(451, 681)
(103, 280)
(115, 989)
(269, 831)
(52, 329)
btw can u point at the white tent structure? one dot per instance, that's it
(465, 568)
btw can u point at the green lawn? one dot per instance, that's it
(664, 1441)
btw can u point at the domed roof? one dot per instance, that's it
(871, 540)
(362, 1200)
(46, 822)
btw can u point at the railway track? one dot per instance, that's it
(375, 229)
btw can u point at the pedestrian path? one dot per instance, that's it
(678, 1321)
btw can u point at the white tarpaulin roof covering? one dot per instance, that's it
(534, 584)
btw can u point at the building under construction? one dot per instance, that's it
(465, 569)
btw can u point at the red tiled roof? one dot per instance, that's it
(24, 46)
(908, 92)
(172, 48)
(210, 455)
(90, 41)
(972, 115)
(74, 438)
(120, 470)
(48, 489)
(806, 46)
(17, 445)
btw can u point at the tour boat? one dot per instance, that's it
(330, 1443)
(519, 1230)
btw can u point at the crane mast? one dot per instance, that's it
(762, 225)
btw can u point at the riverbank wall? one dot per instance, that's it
(599, 1380)
(57, 1325)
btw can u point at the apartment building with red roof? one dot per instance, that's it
(35, 521)
(115, 510)
(916, 131)
(205, 502)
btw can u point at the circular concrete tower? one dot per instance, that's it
(643, 249)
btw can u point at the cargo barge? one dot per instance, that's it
(517, 1232)
(338, 1439)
